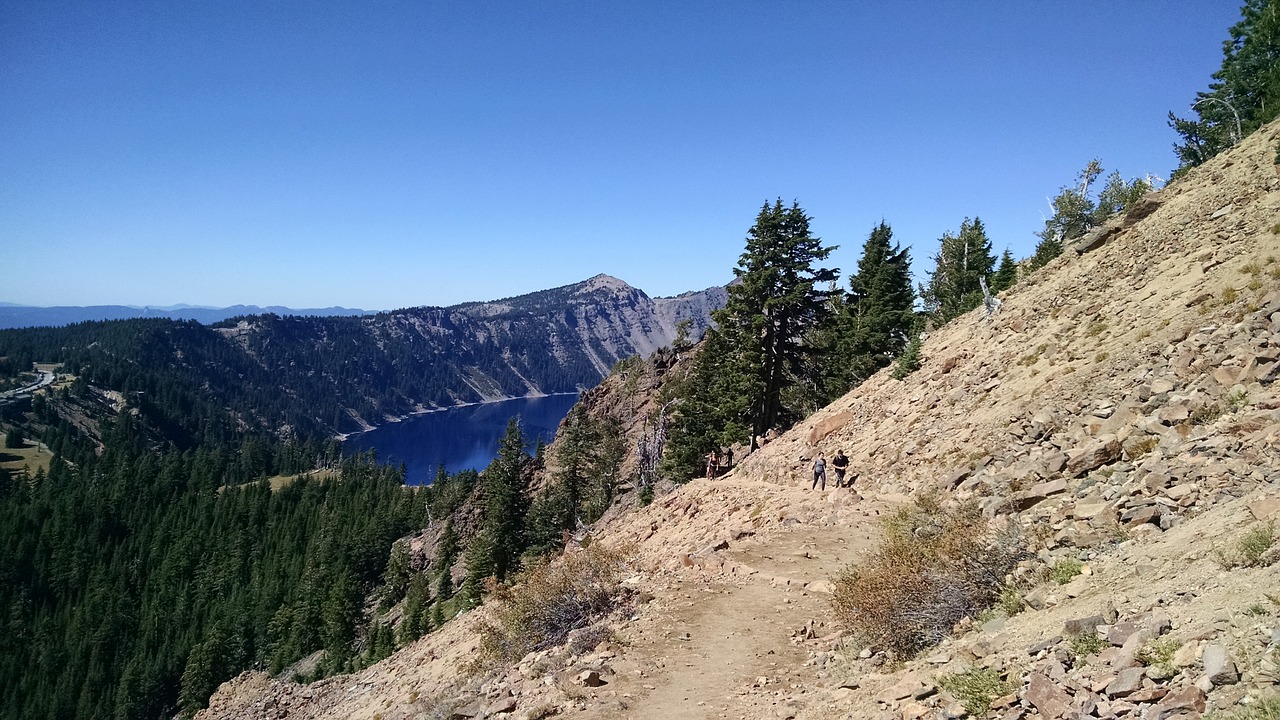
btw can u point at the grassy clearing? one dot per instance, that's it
(33, 457)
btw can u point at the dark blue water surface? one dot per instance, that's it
(464, 438)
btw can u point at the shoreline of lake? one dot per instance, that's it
(460, 438)
(343, 437)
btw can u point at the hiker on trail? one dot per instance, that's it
(820, 472)
(840, 464)
(728, 459)
(713, 465)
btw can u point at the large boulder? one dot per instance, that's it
(1103, 450)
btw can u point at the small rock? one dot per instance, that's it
(1127, 682)
(501, 706)
(1084, 625)
(1094, 454)
(1218, 666)
(1185, 655)
(1047, 697)
(1185, 700)
(1265, 508)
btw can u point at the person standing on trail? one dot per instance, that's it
(819, 472)
(840, 464)
(713, 465)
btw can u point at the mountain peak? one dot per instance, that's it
(602, 282)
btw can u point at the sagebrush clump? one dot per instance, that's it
(934, 567)
(548, 602)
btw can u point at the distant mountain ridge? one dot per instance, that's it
(563, 339)
(23, 316)
(326, 375)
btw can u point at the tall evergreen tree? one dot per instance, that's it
(1245, 94)
(495, 550)
(953, 288)
(1117, 196)
(773, 307)
(873, 323)
(1006, 275)
(1075, 211)
(1073, 215)
(710, 408)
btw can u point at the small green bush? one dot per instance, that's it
(1255, 544)
(1066, 570)
(1011, 601)
(1086, 644)
(1249, 550)
(1158, 653)
(934, 566)
(1237, 399)
(976, 689)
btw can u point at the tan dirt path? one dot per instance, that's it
(733, 645)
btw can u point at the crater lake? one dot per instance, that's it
(460, 438)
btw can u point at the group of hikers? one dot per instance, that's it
(721, 460)
(839, 463)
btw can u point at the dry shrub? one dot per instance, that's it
(934, 567)
(546, 603)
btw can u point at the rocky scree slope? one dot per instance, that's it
(1120, 407)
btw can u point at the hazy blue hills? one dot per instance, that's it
(23, 316)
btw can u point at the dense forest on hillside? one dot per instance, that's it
(135, 579)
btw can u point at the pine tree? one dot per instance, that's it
(873, 323)
(495, 550)
(1006, 275)
(1245, 94)
(1117, 196)
(953, 288)
(773, 307)
(710, 408)
(1075, 212)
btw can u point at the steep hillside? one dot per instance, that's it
(1119, 407)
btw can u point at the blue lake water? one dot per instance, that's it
(463, 438)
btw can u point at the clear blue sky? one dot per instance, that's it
(387, 154)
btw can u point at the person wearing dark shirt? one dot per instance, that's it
(840, 464)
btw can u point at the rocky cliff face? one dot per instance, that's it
(1120, 408)
(559, 340)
